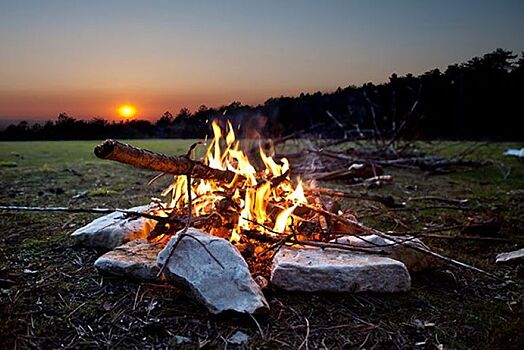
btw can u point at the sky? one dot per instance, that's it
(87, 58)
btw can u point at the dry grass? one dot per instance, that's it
(51, 295)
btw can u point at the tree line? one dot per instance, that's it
(482, 98)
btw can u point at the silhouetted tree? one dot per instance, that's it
(478, 99)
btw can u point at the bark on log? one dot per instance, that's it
(142, 158)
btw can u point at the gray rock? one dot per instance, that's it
(219, 289)
(180, 339)
(335, 270)
(415, 261)
(136, 259)
(110, 231)
(238, 338)
(511, 258)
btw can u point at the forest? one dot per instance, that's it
(480, 99)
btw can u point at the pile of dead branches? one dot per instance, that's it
(320, 222)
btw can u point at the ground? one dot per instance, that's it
(51, 295)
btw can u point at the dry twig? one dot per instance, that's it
(388, 201)
(183, 233)
(367, 229)
(83, 210)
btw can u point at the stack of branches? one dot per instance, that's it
(221, 221)
(317, 224)
(384, 144)
(365, 164)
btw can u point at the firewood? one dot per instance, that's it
(142, 158)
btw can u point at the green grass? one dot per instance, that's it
(45, 168)
(37, 153)
(49, 308)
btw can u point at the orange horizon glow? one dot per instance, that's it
(149, 105)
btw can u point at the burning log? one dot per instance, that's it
(143, 158)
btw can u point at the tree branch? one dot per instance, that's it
(142, 158)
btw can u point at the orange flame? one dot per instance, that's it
(252, 191)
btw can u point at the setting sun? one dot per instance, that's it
(127, 111)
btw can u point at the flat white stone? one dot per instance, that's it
(511, 258)
(335, 270)
(220, 289)
(136, 259)
(415, 261)
(238, 338)
(110, 231)
(179, 339)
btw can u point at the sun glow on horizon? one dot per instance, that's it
(127, 111)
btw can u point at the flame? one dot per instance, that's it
(262, 202)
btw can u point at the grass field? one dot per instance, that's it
(38, 153)
(51, 295)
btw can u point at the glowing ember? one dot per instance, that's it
(263, 198)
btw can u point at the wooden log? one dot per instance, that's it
(143, 158)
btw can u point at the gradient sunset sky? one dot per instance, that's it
(88, 57)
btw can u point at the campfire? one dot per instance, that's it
(243, 196)
(240, 204)
(261, 197)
